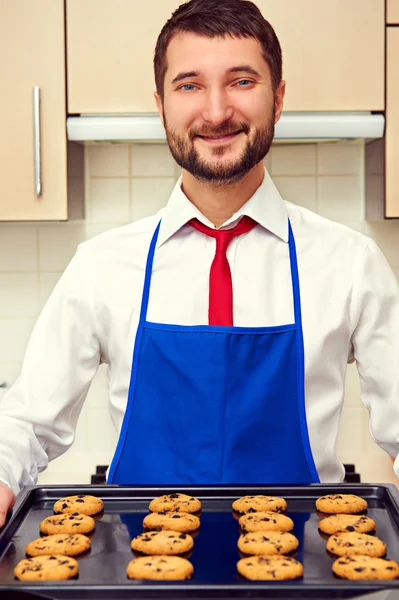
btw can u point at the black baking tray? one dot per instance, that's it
(102, 571)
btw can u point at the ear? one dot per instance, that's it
(278, 101)
(159, 106)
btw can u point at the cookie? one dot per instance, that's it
(162, 542)
(175, 503)
(365, 567)
(267, 542)
(348, 543)
(74, 523)
(265, 521)
(46, 568)
(83, 504)
(174, 521)
(160, 567)
(341, 504)
(259, 504)
(269, 568)
(335, 523)
(61, 543)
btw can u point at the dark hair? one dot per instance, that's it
(211, 18)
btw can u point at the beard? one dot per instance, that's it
(215, 172)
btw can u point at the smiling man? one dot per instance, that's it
(227, 319)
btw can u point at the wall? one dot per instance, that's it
(326, 178)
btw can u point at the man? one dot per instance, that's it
(228, 366)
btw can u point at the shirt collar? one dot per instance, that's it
(265, 206)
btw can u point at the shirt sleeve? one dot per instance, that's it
(376, 347)
(38, 415)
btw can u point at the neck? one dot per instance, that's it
(218, 203)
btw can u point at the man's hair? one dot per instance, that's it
(212, 18)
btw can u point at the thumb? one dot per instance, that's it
(7, 501)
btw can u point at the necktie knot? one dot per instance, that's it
(220, 284)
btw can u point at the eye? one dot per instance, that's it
(185, 85)
(247, 81)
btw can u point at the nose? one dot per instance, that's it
(217, 107)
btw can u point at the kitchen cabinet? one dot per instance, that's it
(392, 125)
(32, 46)
(393, 12)
(333, 53)
(382, 156)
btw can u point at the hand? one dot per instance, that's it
(7, 501)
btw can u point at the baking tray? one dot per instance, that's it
(102, 571)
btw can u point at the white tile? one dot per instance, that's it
(340, 198)
(293, 160)
(97, 396)
(352, 387)
(351, 433)
(58, 244)
(149, 195)
(299, 190)
(340, 158)
(149, 160)
(18, 248)
(47, 283)
(9, 373)
(14, 336)
(386, 235)
(109, 200)
(101, 434)
(97, 229)
(108, 160)
(67, 470)
(19, 295)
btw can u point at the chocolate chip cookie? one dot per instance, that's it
(61, 543)
(348, 543)
(74, 523)
(269, 568)
(175, 503)
(160, 567)
(267, 542)
(265, 521)
(162, 542)
(335, 523)
(341, 504)
(83, 504)
(259, 503)
(46, 568)
(174, 521)
(365, 567)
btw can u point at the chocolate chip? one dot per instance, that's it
(81, 496)
(350, 528)
(75, 514)
(176, 517)
(359, 569)
(52, 558)
(251, 510)
(173, 495)
(64, 562)
(72, 568)
(65, 505)
(80, 501)
(182, 536)
(162, 513)
(159, 570)
(389, 568)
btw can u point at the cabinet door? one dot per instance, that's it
(393, 12)
(333, 53)
(392, 125)
(32, 50)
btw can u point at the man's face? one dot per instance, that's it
(219, 108)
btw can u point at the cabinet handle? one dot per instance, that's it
(36, 141)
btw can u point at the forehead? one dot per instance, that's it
(191, 52)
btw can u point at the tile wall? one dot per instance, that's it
(125, 182)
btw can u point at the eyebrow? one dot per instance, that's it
(238, 69)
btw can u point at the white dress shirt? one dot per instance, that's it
(350, 312)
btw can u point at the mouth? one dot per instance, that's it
(220, 139)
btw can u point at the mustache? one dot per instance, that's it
(222, 129)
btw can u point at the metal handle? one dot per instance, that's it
(36, 140)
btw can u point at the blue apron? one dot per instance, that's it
(215, 405)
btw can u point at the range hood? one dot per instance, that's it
(301, 127)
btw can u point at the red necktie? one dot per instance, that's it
(220, 285)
